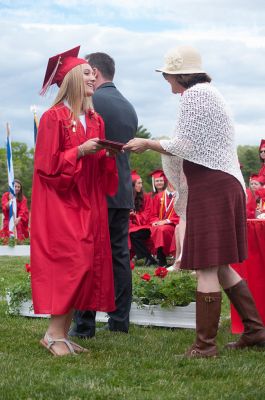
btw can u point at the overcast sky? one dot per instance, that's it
(230, 34)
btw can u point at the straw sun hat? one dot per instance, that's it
(182, 60)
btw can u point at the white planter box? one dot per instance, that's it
(26, 309)
(177, 317)
(18, 250)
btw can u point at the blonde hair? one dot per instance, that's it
(72, 89)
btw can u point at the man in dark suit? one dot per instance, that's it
(120, 125)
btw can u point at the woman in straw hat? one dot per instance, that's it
(71, 259)
(201, 161)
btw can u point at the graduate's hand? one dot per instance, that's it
(91, 146)
(17, 221)
(163, 222)
(137, 145)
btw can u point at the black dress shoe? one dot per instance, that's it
(87, 335)
(161, 258)
(162, 262)
(150, 261)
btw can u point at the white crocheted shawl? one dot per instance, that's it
(204, 135)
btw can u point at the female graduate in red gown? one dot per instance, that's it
(22, 218)
(71, 259)
(139, 228)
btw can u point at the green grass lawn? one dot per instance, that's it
(143, 365)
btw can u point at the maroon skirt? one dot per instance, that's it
(216, 219)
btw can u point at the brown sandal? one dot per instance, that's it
(77, 348)
(48, 342)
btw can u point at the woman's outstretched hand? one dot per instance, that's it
(137, 145)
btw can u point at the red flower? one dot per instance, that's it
(161, 272)
(27, 267)
(132, 265)
(5, 233)
(146, 277)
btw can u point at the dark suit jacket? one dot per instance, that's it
(120, 124)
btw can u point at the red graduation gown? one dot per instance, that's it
(251, 204)
(162, 235)
(71, 260)
(141, 220)
(22, 212)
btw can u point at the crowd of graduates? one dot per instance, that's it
(153, 220)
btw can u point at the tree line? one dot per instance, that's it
(23, 163)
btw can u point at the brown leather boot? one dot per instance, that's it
(208, 310)
(254, 331)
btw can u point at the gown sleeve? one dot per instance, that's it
(55, 165)
(23, 211)
(5, 201)
(155, 209)
(143, 217)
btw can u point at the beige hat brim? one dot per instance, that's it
(180, 71)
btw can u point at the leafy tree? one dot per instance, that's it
(249, 158)
(142, 132)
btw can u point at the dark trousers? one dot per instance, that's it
(84, 321)
(138, 239)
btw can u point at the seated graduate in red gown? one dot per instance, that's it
(163, 222)
(139, 228)
(159, 182)
(22, 217)
(262, 158)
(71, 261)
(255, 194)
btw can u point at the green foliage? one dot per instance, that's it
(249, 158)
(176, 289)
(17, 293)
(142, 132)
(23, 167)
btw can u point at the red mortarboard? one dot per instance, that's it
(262, 143)
(134, 175)
(157, 173)
(58, 66)
(256, 177)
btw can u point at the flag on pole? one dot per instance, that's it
(36, 126)
(11, 183)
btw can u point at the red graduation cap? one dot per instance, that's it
(262, 144)
(256, 177)
(157, 173)
(135, 176)
(58, 66)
